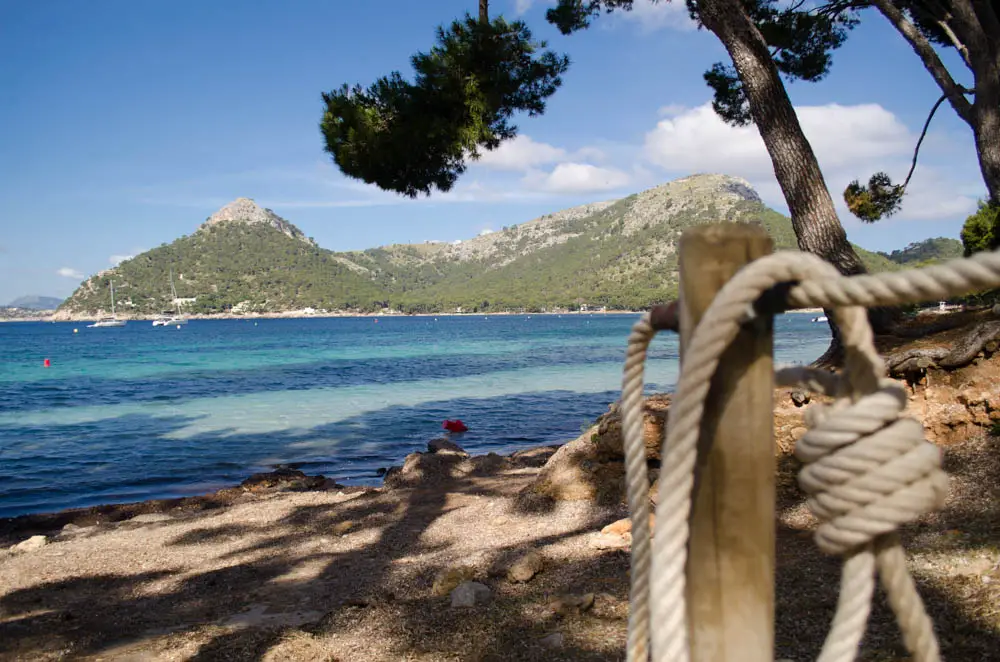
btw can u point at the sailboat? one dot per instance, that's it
(169, 317)
(109, 321)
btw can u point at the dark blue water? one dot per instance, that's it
(125, 414)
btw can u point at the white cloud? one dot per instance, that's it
(577, 178)
(697, 140)
(654, 15)
(115, 260)
(69, 272)
(671, 110)
(850, 142)
(521, 153)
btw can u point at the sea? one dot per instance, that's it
(137, 412)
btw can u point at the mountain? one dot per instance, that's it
(35, 302)
(927, 251)
(617, 253)
(246, 211)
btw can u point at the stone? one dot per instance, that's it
(610, 541)
(800, 398)
(341, 528)
(448, 579)
(554, 640)
(533, 457)
(624, 525)
(470, 594)
(572, 603)
(282, 477)
(526, 567)
(31, 544)
(444, 445)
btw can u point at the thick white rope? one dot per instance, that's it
(867, 470)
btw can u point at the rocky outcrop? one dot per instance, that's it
(592, 466)
(245, 210)
(953, 405)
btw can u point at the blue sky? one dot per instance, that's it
(127, 123)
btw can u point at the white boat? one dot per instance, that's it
(169, 320)
(169, 317)
(108, 321)
(821, 318)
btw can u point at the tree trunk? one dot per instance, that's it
(986, 124)
(975, 33)
(814, 218)
(484, 11)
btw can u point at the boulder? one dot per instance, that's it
(526, 567)
(608, 435)
(428, 469)
(32, 544)
(448, 579)
(592, 467)
(282, 478)
(444, 445)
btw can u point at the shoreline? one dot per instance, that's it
(280, 479)
(298, 314)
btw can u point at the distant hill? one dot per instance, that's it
(617, 253)
(35, 302)
(927, 251)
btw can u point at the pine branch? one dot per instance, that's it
(923, 134)
(922, 47)
(938, 12)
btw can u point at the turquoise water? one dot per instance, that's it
(132, 413)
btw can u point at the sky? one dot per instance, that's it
(126, 124)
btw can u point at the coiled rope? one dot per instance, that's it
(867, 469)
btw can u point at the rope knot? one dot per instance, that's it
(868, 469)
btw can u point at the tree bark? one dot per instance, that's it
(814, 218)
(928, 56)
(986, 116)
(484, 11)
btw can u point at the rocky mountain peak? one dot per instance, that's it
(245, 210)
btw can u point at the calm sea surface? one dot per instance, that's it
(132, 413)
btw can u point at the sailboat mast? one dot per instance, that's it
(113, 299)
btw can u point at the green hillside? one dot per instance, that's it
(926, 252)
(620, 254)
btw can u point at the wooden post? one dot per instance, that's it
(730, 573)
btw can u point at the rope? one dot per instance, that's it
(867, 469)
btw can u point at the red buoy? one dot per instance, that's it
(47, 363)
(455, 426)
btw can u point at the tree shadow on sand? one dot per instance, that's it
(328, 576)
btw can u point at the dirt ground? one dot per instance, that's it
(329, 574)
